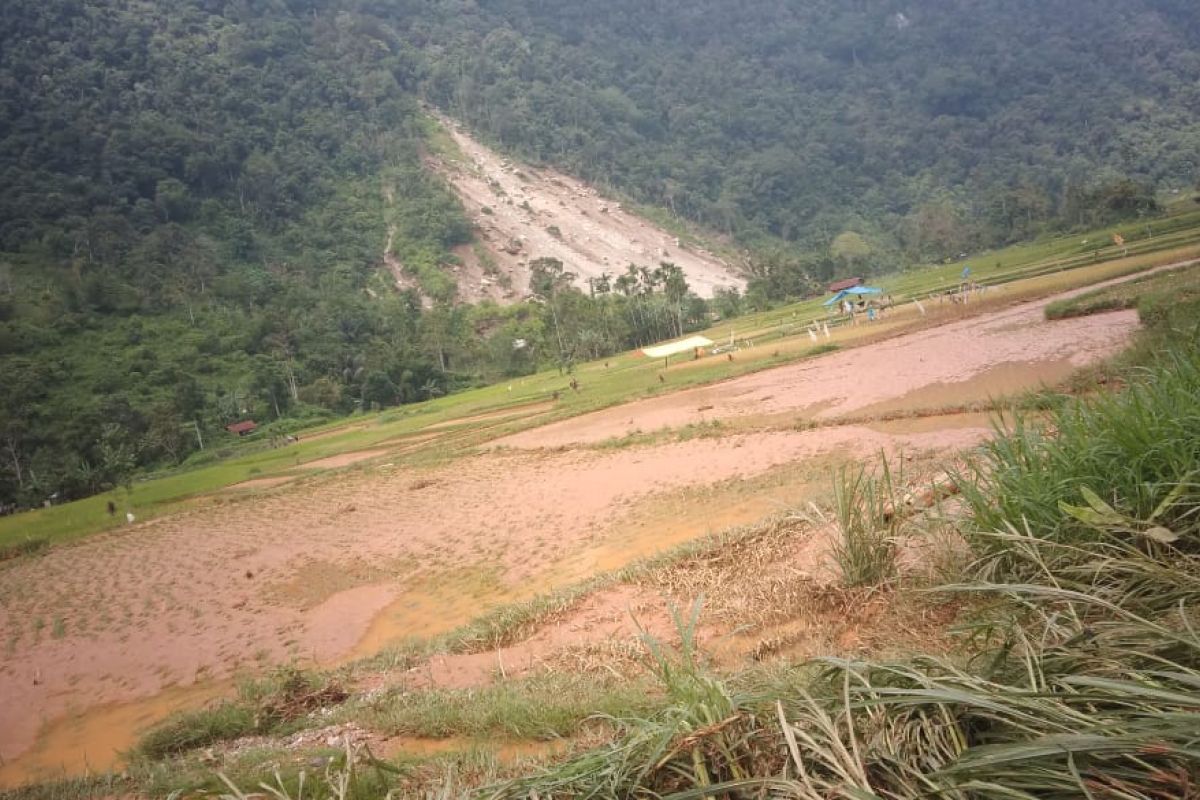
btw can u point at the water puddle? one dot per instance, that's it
(94, 740)
(445, 602)
(663, 530)
(931, 423)
(1002, 380)
(435, 605)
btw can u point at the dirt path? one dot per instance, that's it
(404, 280)
(378, 553)
(522, 213)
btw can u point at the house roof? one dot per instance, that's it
(245, 426)
(845, 283)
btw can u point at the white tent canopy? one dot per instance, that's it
(671, 348)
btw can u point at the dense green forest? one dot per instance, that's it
(197, 193)
(927, 127)
(191, 213)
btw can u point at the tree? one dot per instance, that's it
(324, 392)
(851, 248)
(548, 280)
(168, 437)
(675, 288)
(431, 389)
(938, 231)
(378, 390)
(727, 302)
(118, 458)
(270, 383)
(12, 442)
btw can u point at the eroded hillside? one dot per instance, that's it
(522, 213)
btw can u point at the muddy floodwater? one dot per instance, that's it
(138, 623)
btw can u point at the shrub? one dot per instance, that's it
(864, 502)
(1132, 451)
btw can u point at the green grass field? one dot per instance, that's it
(774, 337)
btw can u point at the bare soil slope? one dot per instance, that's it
(522, 213)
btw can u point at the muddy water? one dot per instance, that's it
(95, 740)
(1011, 378)
(442, 604)
(435, 606)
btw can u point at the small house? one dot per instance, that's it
(243, 428)
(845, 283)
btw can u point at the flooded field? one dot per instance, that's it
(92, 740)
(111, 634)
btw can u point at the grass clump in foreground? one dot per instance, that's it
(1123, 462)
(23, 547)
(100, 787)
(263, 706)
(865, 502)
(545, 706)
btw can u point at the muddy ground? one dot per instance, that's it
(341, 566)
(956, 364)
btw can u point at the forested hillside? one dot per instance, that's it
(197, 194)
(191, 220)
(197, 199)
(925, 126)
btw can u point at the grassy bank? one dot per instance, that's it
(1156, 293)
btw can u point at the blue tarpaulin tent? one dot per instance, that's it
(853, 290)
